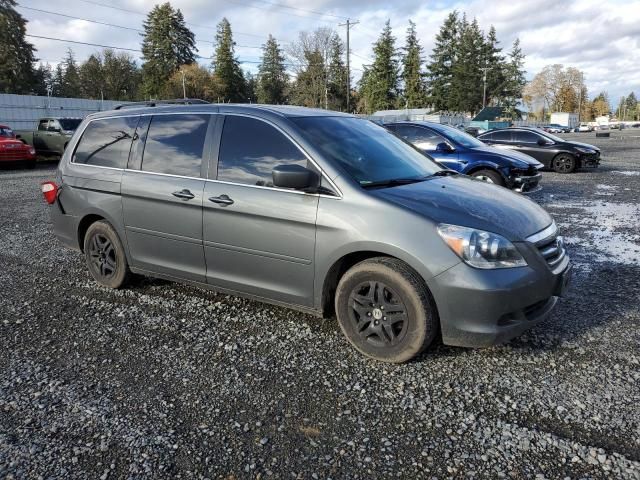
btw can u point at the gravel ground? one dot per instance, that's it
(163, 380)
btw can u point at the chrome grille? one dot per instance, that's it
(550, 245)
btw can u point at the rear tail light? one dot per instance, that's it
(50, 191)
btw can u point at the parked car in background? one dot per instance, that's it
(463, 153)
(584, 127)
(562, 156)
(317, 210)
(52, 135)
(556, 128)
(13, 150)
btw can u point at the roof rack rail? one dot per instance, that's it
(153, 103)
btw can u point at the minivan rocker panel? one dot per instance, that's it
(371, 239)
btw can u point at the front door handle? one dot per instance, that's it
(184, 194)
(222, 200)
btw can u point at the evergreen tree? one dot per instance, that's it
(57, 84)
(251, 82)
(309, 89)
(631, 106)
(70, 87)
(379, 87)
(515, 79)
(272, 76)
(412, 76)
(443, 57)
(226, 66)
(466, 82)
(336, 75)
(17, 56)
(121, 76)
(43, 79)
(167, 45)
(91, 78)
(494, 62)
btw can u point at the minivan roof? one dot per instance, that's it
(279, 110)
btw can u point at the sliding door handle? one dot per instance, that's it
(184, 194)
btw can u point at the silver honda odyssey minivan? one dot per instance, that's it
(315, 210)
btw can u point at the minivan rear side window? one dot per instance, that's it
(106, 142)
(175, 144)
(250, 149)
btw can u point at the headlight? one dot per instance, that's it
(32, 150)
(481, 249)
(585, 150)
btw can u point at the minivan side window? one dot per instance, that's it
(175, 144)
(106, 142)
(250, 149)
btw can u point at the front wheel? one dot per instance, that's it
(489, 176)
(105, 255)
(564, 163)
(385, 310)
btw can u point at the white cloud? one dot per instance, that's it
(601, 37)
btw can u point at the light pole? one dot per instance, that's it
(484, 86)
(184, 88)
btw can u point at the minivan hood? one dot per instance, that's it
(510, 154)
(464, 201)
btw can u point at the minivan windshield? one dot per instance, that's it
(368, 152)
(458, 136)
(6, 132)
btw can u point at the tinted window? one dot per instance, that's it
(43, 124)
(175, 144)
(106, 142)
(525, 137)
(422, 138)
(6, 132)
(69, 123)
(250, 149)
(367, 152)
(501, 136)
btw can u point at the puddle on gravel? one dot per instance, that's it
(608, 230)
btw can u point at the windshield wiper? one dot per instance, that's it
(394, 182)
(445, 173)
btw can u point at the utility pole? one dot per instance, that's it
(348, 24)
(484, 86)
(184, 88)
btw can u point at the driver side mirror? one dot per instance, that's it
(296, 177)
(443, 147)
(542, 142)
(54, 129)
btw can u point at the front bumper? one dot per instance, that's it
(589, 160)
(526, 183)
(480, 308)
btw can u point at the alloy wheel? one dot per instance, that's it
(103, 255)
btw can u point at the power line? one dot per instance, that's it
(116, 26)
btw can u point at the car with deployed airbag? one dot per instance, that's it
(318, 211)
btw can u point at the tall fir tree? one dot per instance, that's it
(443, 58)
(336, 75)
(43, 79)
(515, 79)
(466, 81)
(494, 62)
(272, 75)
(379, 87)
(310, 86)
(226, 66)
(167, 44)
(17, 56)
(70, 87)
(414, 93)
(92, 77)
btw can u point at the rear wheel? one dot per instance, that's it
(30, 164)
(385, 310)
(105, 255)
(564, 163)
(489, 176)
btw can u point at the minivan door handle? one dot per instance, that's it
(222, 200)
(184, 194)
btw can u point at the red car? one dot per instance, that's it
(13, 150)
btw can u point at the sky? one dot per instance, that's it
(600, 37)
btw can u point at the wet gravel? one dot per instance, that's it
(167, 381)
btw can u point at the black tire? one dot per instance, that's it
(104, 253)
(374, 287)
(30, 164)
(563, 163)
(489, 176)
